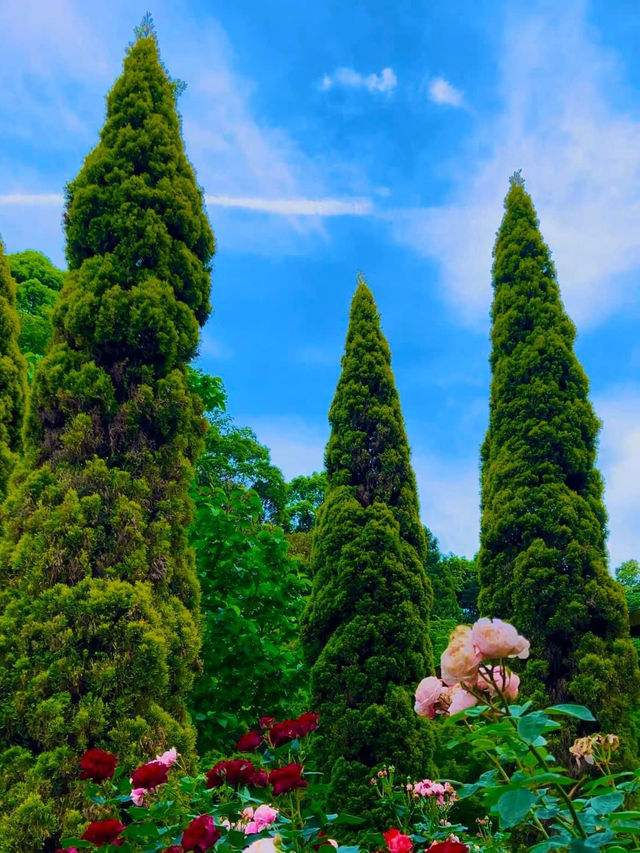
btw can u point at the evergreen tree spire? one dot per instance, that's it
(13, 376)
(543, 559)
(99, 602)
(366, 627)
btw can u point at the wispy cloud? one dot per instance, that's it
(619, 459)
(580, 159)
(440, 91)
(348, 78)
(29, 199)
(297, 206)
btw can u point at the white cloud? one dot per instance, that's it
(296, 446)
(297, 206)
(442, 92)
(580, 159)
(29, 199)
(385, 81)
(619, 460)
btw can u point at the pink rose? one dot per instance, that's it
(494, 638)
(169, 757)
(461, 699)
(460, 660)
(507, 682)
(137, 796)
(427, 694)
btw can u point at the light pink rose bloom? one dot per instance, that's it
(461, 699)
(137, 796)
(169, 757)
(460, 660)
(494, 638)
(508, 685)
(427, 694)
(263, 817)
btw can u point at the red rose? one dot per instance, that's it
(266, 722)
(201, 834)
(97, 765)
(283, 732)
(173, 849)
(102, 832)
(236, 771)
(67, 850)
(287, 778)
(448, 847)
(307, 722)
(249, 741)
(150, 775)
(397, 842)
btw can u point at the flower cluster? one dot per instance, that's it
(443, 792)
(465, 673)
(594, 749)
(147, 777)
(276, 734)
(238, 772)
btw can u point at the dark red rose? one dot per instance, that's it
(249, 741)
(150, 775)
(97, 765)
(102, 832)
(173, 849)
(67, 850)
(448, 847)
(236, 771)
(201, 834)
(307, 722)
(397, 842)
(266, 722)
(283, 732)
(287, 778)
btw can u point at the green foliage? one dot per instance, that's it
(13, 376)
(253, 592)
(304, 497)
(542, 559)
(39, 284)
(99, 601)
(366, 627)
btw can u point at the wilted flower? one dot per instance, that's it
(494, 638)
(582, 750)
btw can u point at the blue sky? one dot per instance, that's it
(332, 138)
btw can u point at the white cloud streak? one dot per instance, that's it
(579, 156)
(442, 92)
(348, 78)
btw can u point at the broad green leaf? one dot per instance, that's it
(578, 845)
(532, 725)
(578, 711)
(607, 803)
(513, 806)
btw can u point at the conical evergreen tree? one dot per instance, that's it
(13, 376)
(366, 627)
(100, 602)
(542, 559)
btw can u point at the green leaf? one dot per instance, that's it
(577, 711)
(579, 845)
(532, 725)
(513, 806)
(607, 803)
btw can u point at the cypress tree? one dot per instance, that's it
(100, 602)
(543, 561)
(13, 376)
(366, 626)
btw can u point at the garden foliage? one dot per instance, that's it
(99, 596)
(366, 627)
(13, 376)
(543, 560)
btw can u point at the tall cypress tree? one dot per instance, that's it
(13, 376)
(100, 601)
(543, 561)
(366, 627)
